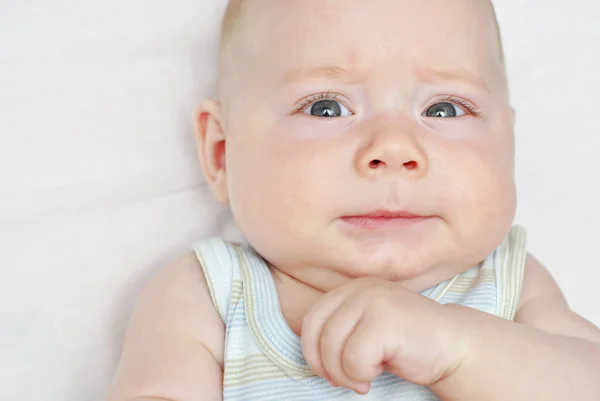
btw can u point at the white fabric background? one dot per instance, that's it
(100, 186)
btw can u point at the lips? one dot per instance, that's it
(390, 215)
(385, 219)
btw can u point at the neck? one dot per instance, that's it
(301, 289)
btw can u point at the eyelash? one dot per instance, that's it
(304, 103)
(469, 107)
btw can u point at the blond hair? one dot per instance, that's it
(236, 10)
(231, 20)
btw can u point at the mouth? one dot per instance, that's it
(383, 219)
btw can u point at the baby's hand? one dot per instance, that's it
(361, 329)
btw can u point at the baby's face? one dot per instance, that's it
(341, 108)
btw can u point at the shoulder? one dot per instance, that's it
(174, 343)
(542, 305)
(180, 290)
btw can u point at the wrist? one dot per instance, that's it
(463, 340)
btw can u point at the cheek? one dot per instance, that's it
(483, 188)
(279, 198)
(275, 180)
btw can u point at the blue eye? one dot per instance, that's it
(444, 110)
(327, 109)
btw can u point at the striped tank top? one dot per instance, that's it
(262, 355)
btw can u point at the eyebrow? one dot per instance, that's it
(427, 75)
(460, 75)
(332, 72)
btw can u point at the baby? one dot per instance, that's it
(366, 151)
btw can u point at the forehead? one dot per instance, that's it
(290, 35)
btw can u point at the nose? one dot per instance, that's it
(392, 146)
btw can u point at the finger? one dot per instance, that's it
(335, 333)
(312, 326)
(364, 353)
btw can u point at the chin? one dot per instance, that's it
(392, 263)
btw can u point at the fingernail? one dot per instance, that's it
(362, 389)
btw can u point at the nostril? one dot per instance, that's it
(411, 165)
(374, 163)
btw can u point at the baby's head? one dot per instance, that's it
(340, 108)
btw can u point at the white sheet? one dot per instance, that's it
(100, 186)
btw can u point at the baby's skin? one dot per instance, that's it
(366, 150)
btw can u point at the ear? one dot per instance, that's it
(210, 140)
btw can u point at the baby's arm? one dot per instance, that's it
(174, 345)
(550, 353)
